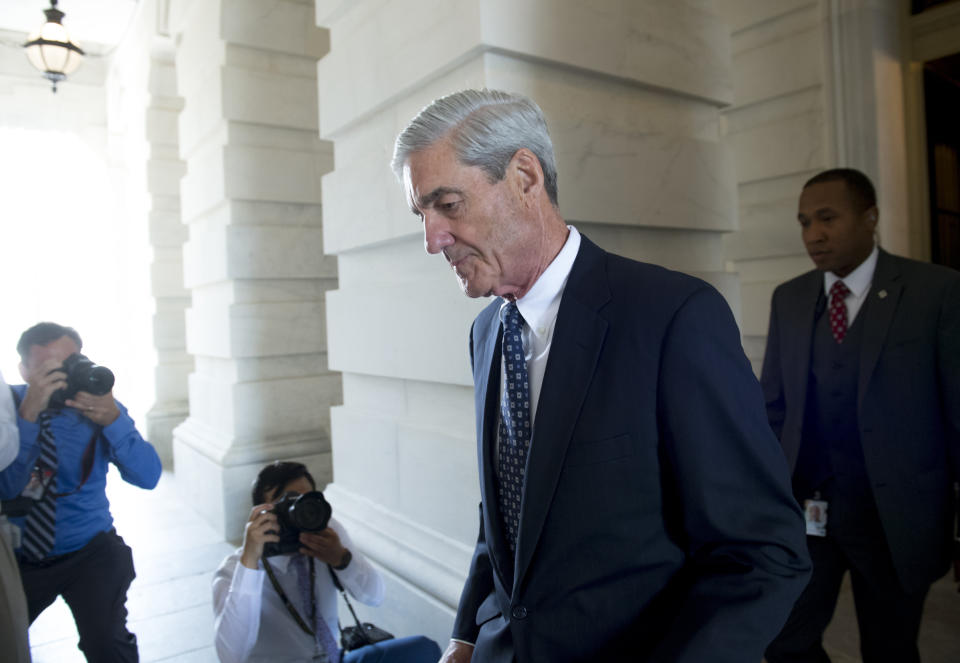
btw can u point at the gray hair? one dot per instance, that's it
(486, 128)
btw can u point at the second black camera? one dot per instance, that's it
(309, 512)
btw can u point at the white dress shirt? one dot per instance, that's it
(251, 624)
(539, 309)
(858, 282)
(9, 432)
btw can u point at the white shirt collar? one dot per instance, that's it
(279, 562)
(859, 280)
(542, 301)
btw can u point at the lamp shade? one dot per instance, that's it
(51, 50)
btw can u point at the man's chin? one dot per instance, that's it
(822, 263)
(470, 290)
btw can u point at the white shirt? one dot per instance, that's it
(9, 432)
(251, 624)
(858, 282)
(539, 310)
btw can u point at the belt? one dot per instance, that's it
(56, 559)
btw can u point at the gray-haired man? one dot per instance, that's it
(635, 504)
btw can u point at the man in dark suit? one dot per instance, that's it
(862, 383)
(635, 504)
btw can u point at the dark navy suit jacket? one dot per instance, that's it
(657, 519)
(908, 400)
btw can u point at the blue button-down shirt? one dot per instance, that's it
(86, 513)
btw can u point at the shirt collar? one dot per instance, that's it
(858, 280)
(542, 301)
(280, 562)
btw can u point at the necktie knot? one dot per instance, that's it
(511, 318)
(839, 289)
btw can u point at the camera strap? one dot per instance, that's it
(343, 593)
(87, 462)
(286, 600)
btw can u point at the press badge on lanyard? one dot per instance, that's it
(40, 479)
(815, 515)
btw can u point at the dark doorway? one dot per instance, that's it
(941, 81)
(918, 6)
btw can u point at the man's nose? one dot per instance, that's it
(813, 234)
(436, 232)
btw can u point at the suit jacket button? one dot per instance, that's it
(519, 612)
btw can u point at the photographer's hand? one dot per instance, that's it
(260, 529)
(324, 546)
(41, 384)
(100, 410)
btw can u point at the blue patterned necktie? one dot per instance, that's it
(40, 526)
(513, 440)
(308, 599)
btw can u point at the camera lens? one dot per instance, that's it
(311, 512)
(98, 380)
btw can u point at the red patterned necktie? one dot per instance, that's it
(838, 310)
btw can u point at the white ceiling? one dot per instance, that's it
(88, 21)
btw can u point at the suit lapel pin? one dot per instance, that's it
(882, 294)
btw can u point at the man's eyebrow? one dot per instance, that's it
(429, 199)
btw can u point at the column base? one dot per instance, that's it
(161, 420)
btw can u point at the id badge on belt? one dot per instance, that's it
(815, 515)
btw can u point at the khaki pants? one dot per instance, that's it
(13, 603)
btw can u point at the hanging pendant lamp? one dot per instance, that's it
(51, 50)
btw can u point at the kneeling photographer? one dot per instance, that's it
(70, 431)
(275, 599)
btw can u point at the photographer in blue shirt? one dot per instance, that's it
(71, 429)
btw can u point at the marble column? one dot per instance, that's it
(144, 107)
(167, 236)
(632, 91)
(778, 131)
(253, 262)
(865, 60)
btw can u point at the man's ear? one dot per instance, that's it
(525, 166)
(872, 215)
(23, 371)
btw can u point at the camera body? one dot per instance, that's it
(82, 375)
(309, 512)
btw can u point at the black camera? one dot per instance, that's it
(309, 512)
(82, 375)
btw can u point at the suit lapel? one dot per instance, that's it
(878, 310)
(797, 333)
(575, 349)
(486, 400)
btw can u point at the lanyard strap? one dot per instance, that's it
(286, 601)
